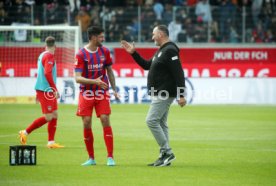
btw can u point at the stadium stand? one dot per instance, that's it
(198, 21)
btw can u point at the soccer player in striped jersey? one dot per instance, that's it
(47, 94)
(93, 71)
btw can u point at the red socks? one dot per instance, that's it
(108, 138)
(36, 124)
(52, 126)
(89, 140)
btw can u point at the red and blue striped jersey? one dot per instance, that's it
(92, 64)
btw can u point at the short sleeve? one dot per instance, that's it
(79, 63)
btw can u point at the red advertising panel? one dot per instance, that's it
(209, 62)
(196, 62)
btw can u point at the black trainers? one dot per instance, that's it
(164, 160)
(167, 159)
(152, 164)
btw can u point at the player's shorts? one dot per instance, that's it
(101, 104)
(47, 101)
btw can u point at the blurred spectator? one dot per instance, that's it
(120, 15)
(106, 14)
(95, 19)
(74, 5)
(214, 32)
(158, 9)
(203, 11)
(181, 12)
(116, 3)
(134, 28)
(258, 34)
(191, 3)
(200, 33)
(112, 32)
(55, 13)
(168, 14)
(233, 37)
(36, 38)
(270, 37)
(147, 20)
(85, 5)
(175, 27)
(190, 30)
(126, 35)
(20, 12)
(273, 27)
(180, 2)
(268, 10)
(140, 2)
(4, 19)
(149, 2)
(226, 15)
(84, 19)
(256, 10)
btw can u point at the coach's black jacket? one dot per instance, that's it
(165, 70)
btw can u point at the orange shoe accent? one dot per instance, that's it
(55, 146)
(23, 137)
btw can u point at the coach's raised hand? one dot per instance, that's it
(130, 48)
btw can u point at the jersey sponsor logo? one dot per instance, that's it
(175, 58)
(95, 67)
(50, 62)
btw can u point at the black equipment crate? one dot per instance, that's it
(22, 155)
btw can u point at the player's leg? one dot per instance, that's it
(37, 123)
(108, 138)
(85, 109)
(52, 125)
(103, 111)
(88, 140)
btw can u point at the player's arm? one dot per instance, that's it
(48, 68)
(111, 78)
(85, 81)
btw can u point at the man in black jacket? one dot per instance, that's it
(165, 83)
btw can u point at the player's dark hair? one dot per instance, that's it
(164, 29)
(50, 41)
(94, 31)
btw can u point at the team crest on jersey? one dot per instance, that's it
(102, 58)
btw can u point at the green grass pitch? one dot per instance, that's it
(214, 145)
